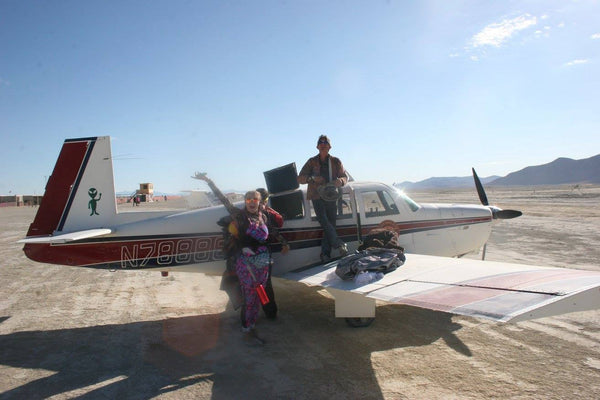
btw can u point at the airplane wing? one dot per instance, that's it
(486, 289)
(68, 237)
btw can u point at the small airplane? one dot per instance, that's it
(77, 224)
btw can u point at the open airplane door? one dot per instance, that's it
(285, 194)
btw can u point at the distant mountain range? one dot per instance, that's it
(558, 172)
(441, 182)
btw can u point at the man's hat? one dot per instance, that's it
(323, 138)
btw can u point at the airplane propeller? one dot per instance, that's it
(497, 213)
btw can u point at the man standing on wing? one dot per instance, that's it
(319, 172)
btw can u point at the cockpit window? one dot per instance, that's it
(378, 203)
(410, 202)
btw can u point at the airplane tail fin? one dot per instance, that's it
(80, 193)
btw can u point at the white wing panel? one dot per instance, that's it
(493, 290)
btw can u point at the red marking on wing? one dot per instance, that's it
(467, 292)
(451, 297)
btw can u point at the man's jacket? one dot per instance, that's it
(313, 168)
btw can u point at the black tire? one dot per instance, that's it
(359, 322)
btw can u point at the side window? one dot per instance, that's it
(378, 203)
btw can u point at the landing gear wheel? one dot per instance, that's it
(359, 322)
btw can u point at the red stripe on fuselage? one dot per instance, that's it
(400, 227)
(440, 223)
(202, 248)
(130, 253)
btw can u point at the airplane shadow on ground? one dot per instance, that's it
(309, 353)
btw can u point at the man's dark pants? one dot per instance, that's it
(326, 213)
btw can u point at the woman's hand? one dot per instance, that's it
(201, 176)
(285, 248)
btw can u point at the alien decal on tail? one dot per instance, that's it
(94, 201)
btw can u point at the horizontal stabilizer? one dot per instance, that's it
(68, 237)
(486, 289)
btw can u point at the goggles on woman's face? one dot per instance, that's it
(248, 201)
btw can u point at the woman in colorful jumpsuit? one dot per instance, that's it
(251, 227)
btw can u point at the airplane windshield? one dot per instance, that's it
(410, 202)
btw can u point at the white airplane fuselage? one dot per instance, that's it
(78, 223)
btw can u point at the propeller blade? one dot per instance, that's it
(506, 214)
(482, 197)
(496, 212)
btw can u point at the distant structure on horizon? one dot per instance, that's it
(18, 200)
(146, 192)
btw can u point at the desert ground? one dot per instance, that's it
(97, 334)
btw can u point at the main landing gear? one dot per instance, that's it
(359, 322)
(355, 308)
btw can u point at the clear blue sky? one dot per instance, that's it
(406, 90)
